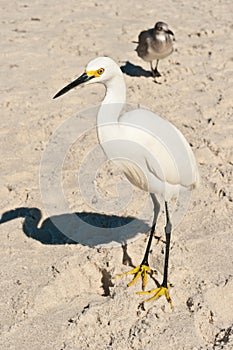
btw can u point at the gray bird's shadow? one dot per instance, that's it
(135, 71)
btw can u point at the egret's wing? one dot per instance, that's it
(167, 153)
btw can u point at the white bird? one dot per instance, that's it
(152, 153)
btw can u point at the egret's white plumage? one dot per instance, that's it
(153, 154)
(154, 145)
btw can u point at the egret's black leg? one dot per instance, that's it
(168, 229)
(163, 289)
(146, 255)
(143, 269)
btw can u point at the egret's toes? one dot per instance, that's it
(141, 270)
(158, 292)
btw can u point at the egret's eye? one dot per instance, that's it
(100, 71)
(160, 28)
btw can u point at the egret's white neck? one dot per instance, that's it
(114, 100)
(115, 90)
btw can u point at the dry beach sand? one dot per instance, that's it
(56, 294)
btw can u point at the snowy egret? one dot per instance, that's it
(155, 44)
(152, 153)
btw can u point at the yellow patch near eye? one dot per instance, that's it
(95, 73)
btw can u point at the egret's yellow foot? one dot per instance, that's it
(138, 271)
(158, 292)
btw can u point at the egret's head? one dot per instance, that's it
(102, 69)
(99, 70)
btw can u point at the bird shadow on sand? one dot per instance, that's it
(135, 71)
(85, 228)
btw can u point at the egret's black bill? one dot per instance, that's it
(82, 79)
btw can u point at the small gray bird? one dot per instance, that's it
(154, 44)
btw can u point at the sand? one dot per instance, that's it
(59, 294)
